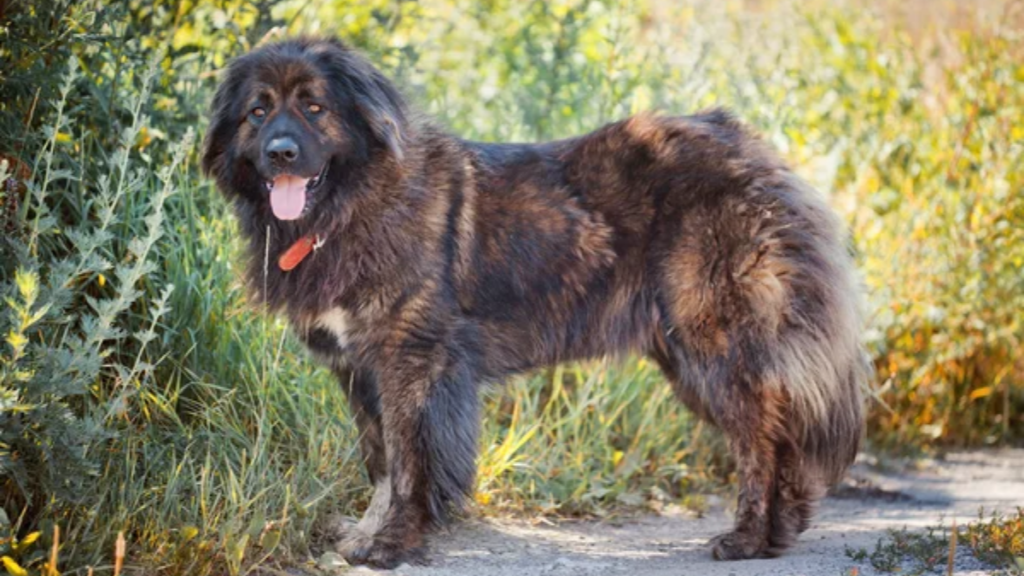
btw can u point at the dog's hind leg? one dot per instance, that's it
(752, 418)
(798, 488)
(752, 415)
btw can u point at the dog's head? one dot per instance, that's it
(294, 123)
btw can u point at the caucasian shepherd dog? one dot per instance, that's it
(418, 266)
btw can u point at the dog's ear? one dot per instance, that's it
(223, 122)
(385, 119)
(377, 101)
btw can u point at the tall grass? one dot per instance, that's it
(195, 426)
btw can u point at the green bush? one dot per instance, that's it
(78, 343)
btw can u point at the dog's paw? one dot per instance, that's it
(737, 546)
(337, 527)
(360, 548)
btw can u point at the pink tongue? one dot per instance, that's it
(288, 196)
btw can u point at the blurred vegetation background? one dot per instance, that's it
(142, 398)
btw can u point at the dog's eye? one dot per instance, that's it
(314, 108)
(259, 112)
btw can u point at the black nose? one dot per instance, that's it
(282, 150)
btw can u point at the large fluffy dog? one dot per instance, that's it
(419, 265)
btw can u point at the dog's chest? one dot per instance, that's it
(330, 333)
(338, 323)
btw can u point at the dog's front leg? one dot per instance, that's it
(430, 415)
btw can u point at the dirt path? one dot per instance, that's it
(674, 545)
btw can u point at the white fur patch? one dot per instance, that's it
(337, 322)
(378, 508)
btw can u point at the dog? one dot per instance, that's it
(418, 265)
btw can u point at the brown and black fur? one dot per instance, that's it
(448, 263)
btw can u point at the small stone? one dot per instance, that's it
(331, 561)
(559, 564)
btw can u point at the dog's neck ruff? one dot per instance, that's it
(298, 251)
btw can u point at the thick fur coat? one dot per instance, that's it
(441, 264)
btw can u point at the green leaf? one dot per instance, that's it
(256, 525)
(271, 539)
(240, 548)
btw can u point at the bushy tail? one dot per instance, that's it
(822, 361)
(830, 444)
(816, 457)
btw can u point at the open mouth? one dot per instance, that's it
(290, 194)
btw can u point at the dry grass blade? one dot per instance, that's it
(119, 550)
(952, 549)
(51, 566)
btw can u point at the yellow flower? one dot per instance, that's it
(12, 567)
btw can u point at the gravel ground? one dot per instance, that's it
(674, 544)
